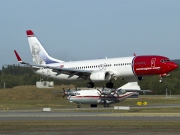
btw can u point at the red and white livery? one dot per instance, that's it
(131, 68)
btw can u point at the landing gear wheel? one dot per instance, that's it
(161, 80)
(106, 105)
(90, 84)
(78, 106)
(109, 85)
(93, 105)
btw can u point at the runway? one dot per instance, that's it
(73, 121)
(89, 114)
(14, 115)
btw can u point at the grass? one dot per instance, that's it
(30, 97)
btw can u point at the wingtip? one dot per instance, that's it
(29, 33)
(17, 56)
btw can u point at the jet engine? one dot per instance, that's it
(100, 76)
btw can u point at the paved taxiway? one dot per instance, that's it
(14, 115)
(72, 114)
(59, 115)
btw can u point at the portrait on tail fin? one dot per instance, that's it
(36, 54)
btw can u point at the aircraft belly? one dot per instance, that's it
(108, 100)
(125, 72)
(84, 100)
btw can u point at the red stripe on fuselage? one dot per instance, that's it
(104, 96)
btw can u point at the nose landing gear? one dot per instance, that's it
(162, 75)
(161, 80)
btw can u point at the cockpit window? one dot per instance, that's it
(165, 60)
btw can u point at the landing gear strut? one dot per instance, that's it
(90, 84)
(109, 85)
(161, 80)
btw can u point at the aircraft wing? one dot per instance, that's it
(134, 90)
(70, 72)
(58, 70)
(138, 90)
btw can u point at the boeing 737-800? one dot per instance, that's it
(128, 68)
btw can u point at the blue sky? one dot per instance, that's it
(90, 29)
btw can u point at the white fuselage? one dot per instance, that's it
(127, 68)
(94, 97)
(119, 67)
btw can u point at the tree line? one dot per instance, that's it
(16, 75)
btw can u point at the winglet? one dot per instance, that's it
(19, 58)
(30, 33)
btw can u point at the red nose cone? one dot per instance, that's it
(173, 66)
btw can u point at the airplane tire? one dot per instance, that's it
(78, 106)
(93, 105)
(109, 85)
(161, 81)
(106, 105)
(90, 84)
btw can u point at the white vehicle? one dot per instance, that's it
(130, 69)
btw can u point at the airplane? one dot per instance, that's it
(105, 96)
(130, 69)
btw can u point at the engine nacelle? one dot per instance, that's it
(100, 76)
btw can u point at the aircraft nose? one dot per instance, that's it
(173, 65)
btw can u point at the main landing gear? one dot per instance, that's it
(90, 84)
(93, 105)
(106, 105)
(108, 85)
(78, 105)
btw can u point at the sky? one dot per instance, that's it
(72, 30)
